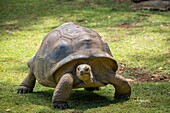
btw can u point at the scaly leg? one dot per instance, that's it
(28, 84)
(122, 87)
(62, 91)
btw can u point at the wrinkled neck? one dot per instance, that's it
(88, 78)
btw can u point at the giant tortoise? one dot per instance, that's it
(70, 57)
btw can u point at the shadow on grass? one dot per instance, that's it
(83, 100)
(79, 99)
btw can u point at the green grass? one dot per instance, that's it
(138, 39)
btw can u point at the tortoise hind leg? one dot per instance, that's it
(122, 87)
(62, 91)
(28, 84)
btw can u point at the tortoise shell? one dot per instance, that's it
(64, 44)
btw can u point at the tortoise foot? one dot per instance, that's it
(61, 105)
(122, 96)
(23, 90)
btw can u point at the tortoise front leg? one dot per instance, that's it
(62, 91)
(122, 87)
(28, 84)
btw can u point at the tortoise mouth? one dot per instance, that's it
(84, 73)
(83, 69)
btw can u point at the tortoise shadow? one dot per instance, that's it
(83, 100)
(79, 99)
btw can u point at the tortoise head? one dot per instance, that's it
(84, 73)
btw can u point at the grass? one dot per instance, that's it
(145, 98)
(138, 39)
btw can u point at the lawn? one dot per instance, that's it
(139, 41)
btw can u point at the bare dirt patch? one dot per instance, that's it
(10, 27)
(142, 75)
(127, 25)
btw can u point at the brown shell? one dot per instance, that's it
(64, 44)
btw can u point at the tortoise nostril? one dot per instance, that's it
(81, 72)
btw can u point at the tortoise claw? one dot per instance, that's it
(23, 90)
(61, 105)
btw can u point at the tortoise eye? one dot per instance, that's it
(87, 69)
